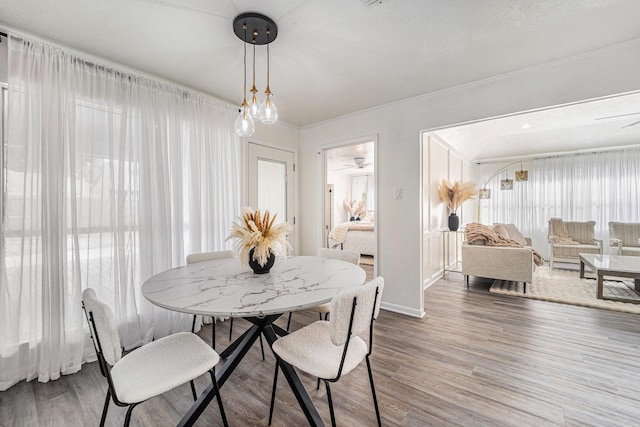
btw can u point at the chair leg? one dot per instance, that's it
(320, 315)
(105, 408)
(127, 418)
(318, 383)
(213, 333)
(261, 347)
(273, 391)
(373, 392)
(193, 390)
(289, 321)
(193, 324)
(333, 416)
(218, 397)
(230, 328)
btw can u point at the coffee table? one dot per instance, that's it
(612, 265)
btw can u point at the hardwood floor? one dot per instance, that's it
(475, 359)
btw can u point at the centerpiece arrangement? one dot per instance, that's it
(354, 209)
(259, 239)
(454, 194)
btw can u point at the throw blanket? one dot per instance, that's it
(475, 232)
(339, 233)
(558, 233)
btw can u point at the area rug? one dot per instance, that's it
(567, 287)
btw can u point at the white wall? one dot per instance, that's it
(398, 127)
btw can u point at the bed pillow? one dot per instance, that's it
(501, 230)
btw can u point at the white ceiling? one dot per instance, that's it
(331, 57)
(609, 122)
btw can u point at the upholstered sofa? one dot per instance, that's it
(577, 237)
(624, 238)
(500, 262)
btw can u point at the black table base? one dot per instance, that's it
(235, 353)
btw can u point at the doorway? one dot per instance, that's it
(271, 184)
(349, 201)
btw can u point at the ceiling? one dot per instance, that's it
(608, 122)
(331, 57)
(342, 160)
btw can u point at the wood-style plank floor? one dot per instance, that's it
(476, 359)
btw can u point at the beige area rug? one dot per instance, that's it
(567, 287)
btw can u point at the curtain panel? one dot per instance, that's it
(600, 186)
(110, 178)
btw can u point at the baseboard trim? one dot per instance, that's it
(401, 309)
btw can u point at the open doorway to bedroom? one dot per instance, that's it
(350, 200)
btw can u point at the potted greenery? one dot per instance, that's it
(454, 194)
(259, 239)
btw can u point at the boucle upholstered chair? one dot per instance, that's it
(150, 370)
(567, 239)
(329, 349)
(624, 238)
(208, 256)
(350, 256)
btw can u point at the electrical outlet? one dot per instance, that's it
(398, 193)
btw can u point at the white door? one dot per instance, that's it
(272, 184)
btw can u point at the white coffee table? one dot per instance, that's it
(612, 265)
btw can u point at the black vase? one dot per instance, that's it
(261, 269)
(454, 221)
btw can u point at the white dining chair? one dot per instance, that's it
(147, 371)
(350, 256)
(330, 349)
(208, 256)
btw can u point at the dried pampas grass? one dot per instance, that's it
(457, 193)
(259, 232)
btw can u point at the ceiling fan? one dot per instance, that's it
(622, 115)
(359, 163)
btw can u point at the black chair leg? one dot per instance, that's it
(105, 408)
(213, 333)
(373, 392)
(261, 347)
(127, 418)
(320, 316)
(230, 328)
(193, 324)
(273, 391)
(318, 384)
(193, 390)
(289, 321)
(333, 416)
(218, 397)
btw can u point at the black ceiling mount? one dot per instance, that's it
(256, 24)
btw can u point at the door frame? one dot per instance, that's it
(245, 182)
(323, 184)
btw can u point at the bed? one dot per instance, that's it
(354, 236)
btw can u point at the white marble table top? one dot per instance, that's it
(226, 288)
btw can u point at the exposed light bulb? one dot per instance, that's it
(254, 106)
(268, 110)
(245, 126)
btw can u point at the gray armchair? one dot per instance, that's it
(624, 238)
(568, 239)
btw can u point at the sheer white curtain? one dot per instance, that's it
(602, 186)
(110, 178)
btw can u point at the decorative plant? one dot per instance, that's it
(354, 209)
(259, 232)
(454, 194)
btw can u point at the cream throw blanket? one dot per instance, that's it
(558, 233)
(475, 232)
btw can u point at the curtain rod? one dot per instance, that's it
(561, 154)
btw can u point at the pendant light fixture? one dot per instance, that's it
(268, 110)
(244, 123)
(254, 105)
(263, 31)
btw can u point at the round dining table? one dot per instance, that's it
(226, 288)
